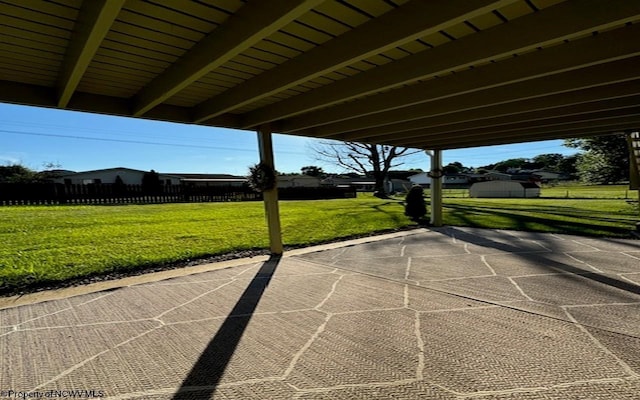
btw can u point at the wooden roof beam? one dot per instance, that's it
(551, 124)
(40, 96)
(605, 47)
(598, 131)
(93, 24)
(252, 23)
(408, 22)
(576, 130)
(598, 75)
(550, 25)
(522, 138)
(543, 104)
(583, 110)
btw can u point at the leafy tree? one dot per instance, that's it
(48, 165)
(567, 165)
(118, 186)
(453, 168)
(512, 163)
(604, 159)
(549, 161)
(415, 206)
(371, 160)
(312, 170)
(51, 171)
(151, 182)
(17, 174)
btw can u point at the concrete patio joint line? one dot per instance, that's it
(626, 367)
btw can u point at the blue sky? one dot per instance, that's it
(34, 136)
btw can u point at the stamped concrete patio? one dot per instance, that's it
(449, 313)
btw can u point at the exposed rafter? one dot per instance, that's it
(598, 75)
(538, 126)
(522, 138)
(578, 111)
(410, 21)
(565, 100)
(253, 22)
(591, 50)
(93, 24)
(567, 20)
(546, 133)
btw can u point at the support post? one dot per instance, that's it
(436, 188)
(633, 139)
(271, 207)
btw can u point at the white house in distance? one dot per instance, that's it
(421, 179)
(452, 180)
(502, 189)
(360, 184)
(200, 180)
(497, 176)
(129, 176)
(287, 181)
(546, 176)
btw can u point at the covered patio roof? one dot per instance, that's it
(423, 74)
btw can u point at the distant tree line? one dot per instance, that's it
(17, 173)
(599, 160)
(553, 162)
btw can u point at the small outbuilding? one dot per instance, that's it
(503, 189)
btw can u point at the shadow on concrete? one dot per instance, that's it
(204, 377)
(575, 272)
(547, 218)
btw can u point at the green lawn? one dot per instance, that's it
(603, 210)
(569, 191)
(594, 217)
(51, 243)
(575, 191)
(55, 243)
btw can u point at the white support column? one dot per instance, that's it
(436, 188)
(271, 207)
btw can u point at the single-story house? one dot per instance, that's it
(398, 185)
(546, 176)
(497, 176)
(455, 180)
(421, 179)
(199, 180)
(361, 184)
(287, 181)
(128, 176)
(448, 180)
(502, 189)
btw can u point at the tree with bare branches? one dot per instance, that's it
(371, 160)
